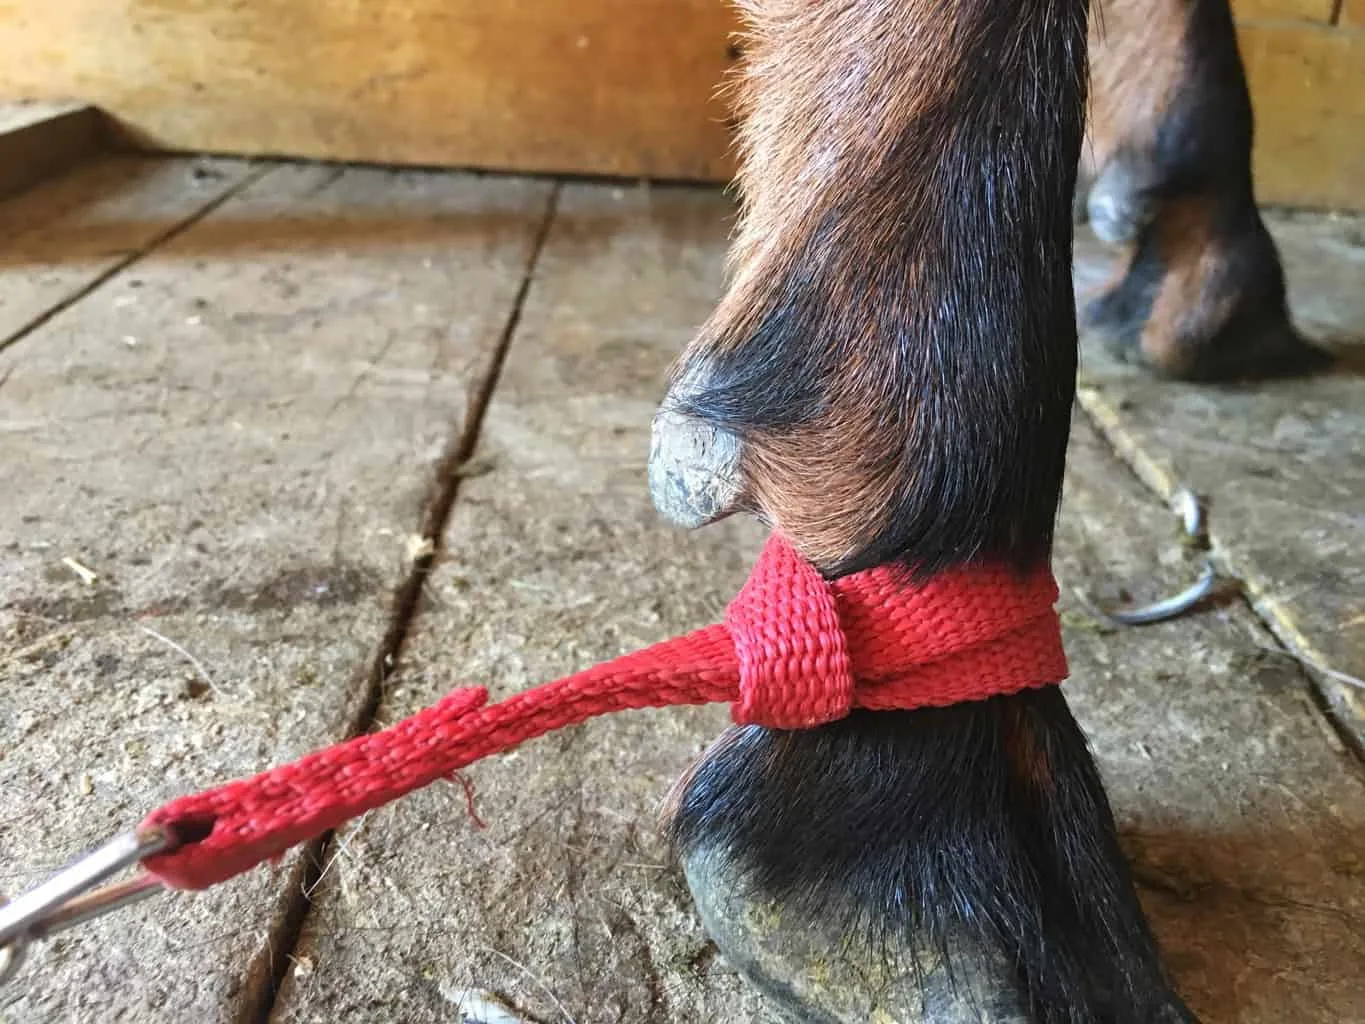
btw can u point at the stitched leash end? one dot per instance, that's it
(224, 831)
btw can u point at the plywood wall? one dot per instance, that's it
(596, 86)
(590, 86)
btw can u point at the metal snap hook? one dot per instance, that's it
(12, 953)
(1187, 505)
(78, 893)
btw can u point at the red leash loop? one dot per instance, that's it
(796, 651)
(794, 667)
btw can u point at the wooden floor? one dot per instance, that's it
(225, 393)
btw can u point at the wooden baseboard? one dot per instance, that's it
(1321, 12)
(560, 86)
(1308, 91)
(39, 140)
(573, 86)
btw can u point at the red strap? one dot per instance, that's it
(796, 651)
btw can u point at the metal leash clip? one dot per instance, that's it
(1191, 511)
(78, 893)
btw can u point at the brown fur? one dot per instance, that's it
(1189, 301)
(817, 120)
(1137, 65)
(1028, 757)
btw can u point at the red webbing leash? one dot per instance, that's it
(795, 651)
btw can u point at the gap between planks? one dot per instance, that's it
(263, 981)
(252, 176)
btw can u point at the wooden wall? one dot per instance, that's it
(591, 86)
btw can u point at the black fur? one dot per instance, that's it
(920, 825)
(1204, 145)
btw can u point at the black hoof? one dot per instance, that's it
(813, 973)
(1240, 354)
(1244, 351)
(1203, 300)
(1115, 320)
(941, 866)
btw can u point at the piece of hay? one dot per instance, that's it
(479, 1006)
(88, 575)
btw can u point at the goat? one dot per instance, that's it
(888, 379)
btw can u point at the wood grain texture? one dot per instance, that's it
(588, 86)
(63, 237)
(1308, 88)
(235, 434)
(537, 85)
(1290, 10)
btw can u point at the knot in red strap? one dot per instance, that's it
(794, 667)
(802, 641)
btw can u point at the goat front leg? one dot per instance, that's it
(1167, 162)
(889, 379)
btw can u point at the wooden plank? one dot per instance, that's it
(64, 237)
(1352, 14)
(1284, 10)
(41, 140)
(597, 87)
(1280, 463)
(1308, 87)
(235, 436)
(1235, 799)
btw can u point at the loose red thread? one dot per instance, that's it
(469, 807)
(795, 651)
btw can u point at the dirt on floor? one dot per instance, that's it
(226, 392)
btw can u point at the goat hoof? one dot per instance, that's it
(1257, 352)
(1254, 353)
(1115, 319)
(814, 972)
